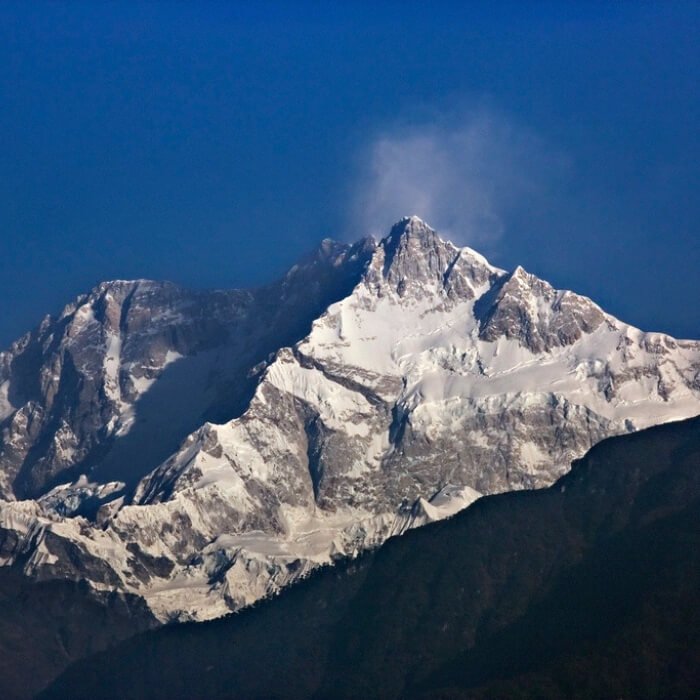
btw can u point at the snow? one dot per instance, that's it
(6, 408)
(142, 384)
(340, 408)
(437, 354)
(67, 499)
(427, 358)
(448, 502)
(368, 355)
(112, 364)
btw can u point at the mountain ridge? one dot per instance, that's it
(372, 389)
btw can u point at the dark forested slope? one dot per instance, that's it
(46, 625)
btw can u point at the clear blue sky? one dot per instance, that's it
(213, 144)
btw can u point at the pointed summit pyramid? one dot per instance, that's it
(413, 260)
(414, 253)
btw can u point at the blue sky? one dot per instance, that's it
(212, 143)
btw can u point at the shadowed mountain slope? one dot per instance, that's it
(45, 626)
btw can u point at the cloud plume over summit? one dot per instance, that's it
(466, 176)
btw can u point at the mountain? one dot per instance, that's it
(201, 450)
(587, 589)
(115, 383)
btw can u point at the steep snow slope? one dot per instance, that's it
(435, 379)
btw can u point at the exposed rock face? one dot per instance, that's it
(529, 310)
(427, 377)
(75, 388)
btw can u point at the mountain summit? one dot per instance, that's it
(414, 259)
(202, 449)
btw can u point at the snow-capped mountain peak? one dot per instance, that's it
(413, 261)
(377, 386)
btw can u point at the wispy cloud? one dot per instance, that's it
(463, 175)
